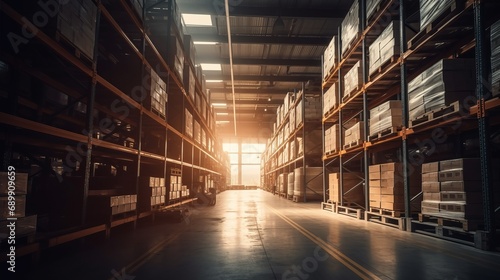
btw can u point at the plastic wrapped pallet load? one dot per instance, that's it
(313, 187)
(386, 115)
(371, 6)
(330, 57)
(353, 79)
(445, 82)
(350, 27)
(384, 47)
(495, 58)
(330, 101)
(332, 139)
(430, 10)
(291, 184)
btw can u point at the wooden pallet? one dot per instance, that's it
(351, 44)
(440, 113)
(385, 212)
(387, 220)
(455, 8)
(353, 144)
(353, 91)
(334, 107)
(298, 198)
(283, 195)
(332, 152)
(464, 224)
(383, 67)
(384, 133)
(289, 196)
(349, 211)
(330, 207)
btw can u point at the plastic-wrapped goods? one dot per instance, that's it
(353, 79)
(312, 107)
(292, 120)
(350, 27)
(430, 10)
(189, 123)
(386, 115)
(76, 21)
(291, 183)
(495, 58)
(158, 93)
(371, 6)
(355, 133)
(384, 47)
(330, 99)
(447, 81)
(313, 189)
(332, 139)
(330, 57)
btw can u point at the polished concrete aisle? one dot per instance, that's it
(252, 234)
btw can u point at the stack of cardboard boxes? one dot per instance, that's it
(175, 185)
(350, 27)
(352, 188)
(25, 224)
(385, 116)
(384, 47)
(158, 94)
(330, 57)
(353, 80)
(431, 9)
(354, 135)
(330, 101)
(332, 135)
(158, 190)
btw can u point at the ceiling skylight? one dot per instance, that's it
(197, 19)
(211, 66)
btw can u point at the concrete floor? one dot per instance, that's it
(254, 235)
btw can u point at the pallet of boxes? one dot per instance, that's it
(386, 193)
(25, 226)
(452, 194)
(347, 195)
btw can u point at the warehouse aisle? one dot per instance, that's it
(254, 235)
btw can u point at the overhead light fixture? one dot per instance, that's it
(265, 109)
(269, 99)
(197, 19)
(211, 66)
(221, 122)
(214, 81)
(204, 43)
(222, 114)
(219, 104)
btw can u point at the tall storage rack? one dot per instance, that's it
(95, 114)
(294, 151)
(447, 133)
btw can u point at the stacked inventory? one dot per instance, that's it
(175, 186)
(312, 107)
(350, 27)
(291, 184)
(13, 189)
(311, 186)
(353, 80)
(355, 135)
(76, 21)
(431, 188)
(460, 195)
(352, 188)
(197, 131)
(282, 183)
(332, 143)
(188, 123)
(292, 119)
(158, 94)
(330, 57)
(123, 203)
(158, 190)
(444, 83)
(371, 7)
(430, 10)
(330, 101)
(495, 58)
(386, 116)
(386, 186)
(385, 47)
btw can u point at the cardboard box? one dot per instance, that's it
(375, 168)
(461, 186)
(392, 206)
(430, 177)
(459, 175)
(470, 198)
(430, 167)
(432, 196)
(375, 203)
(397, 167)
(431, 187)
(20, 182)
(461, 163)
(434, 204)
(375, 183)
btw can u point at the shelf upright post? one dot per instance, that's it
(404, 100)
(366, 112)
(484, 239)
(90, 119)
(304, 158)
(340, 121)
(325, 179)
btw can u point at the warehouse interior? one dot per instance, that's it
(239, 139)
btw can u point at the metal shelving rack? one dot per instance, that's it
(117, 132)
(271, 168)
(458, 32)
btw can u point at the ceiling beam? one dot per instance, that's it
(276, 40)
(263, 91)
(216, 8)
(268, 78)
(273, 102)
(260, 61)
